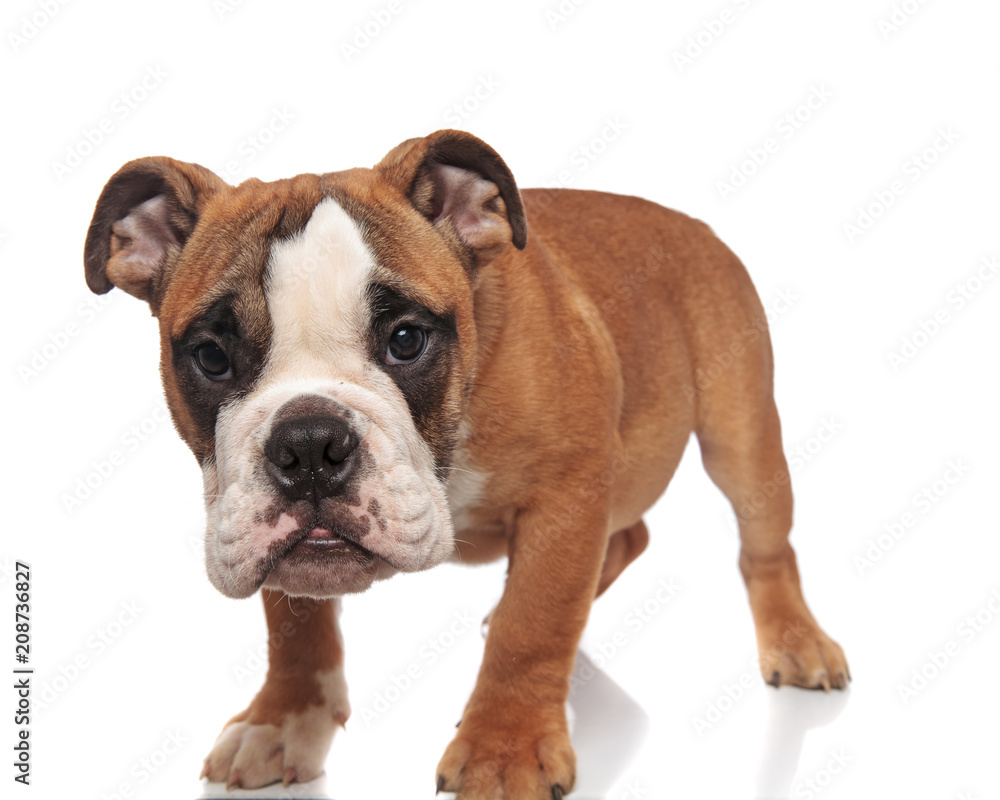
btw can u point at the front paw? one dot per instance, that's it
(510, 752)
(278, 740)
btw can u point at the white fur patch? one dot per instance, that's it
(296, 749)
(316, 296)
(465, 487)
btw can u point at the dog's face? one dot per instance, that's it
(318, 347)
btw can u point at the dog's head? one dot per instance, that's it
(318, 348)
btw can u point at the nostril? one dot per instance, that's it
(282, 450)
(340, 447)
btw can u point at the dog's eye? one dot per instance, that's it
(405, 345)
(212, 361)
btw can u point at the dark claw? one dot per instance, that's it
(775, 679)
(557, 792)
(440, 784)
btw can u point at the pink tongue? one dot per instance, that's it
(320, 533)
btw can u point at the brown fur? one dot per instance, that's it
(578, 385)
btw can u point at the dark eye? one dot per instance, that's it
(405, 345)
(212, 361)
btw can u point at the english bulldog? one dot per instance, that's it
(382, 369)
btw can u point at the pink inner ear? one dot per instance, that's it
(139, 245)
(465, 197)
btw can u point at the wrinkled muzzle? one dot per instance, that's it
(319, 489)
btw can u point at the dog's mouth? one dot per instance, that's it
(318, 543)
(321, 560)
(323, 542)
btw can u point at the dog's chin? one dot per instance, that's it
(322, 563)
(326, 568)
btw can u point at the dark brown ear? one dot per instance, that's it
(142, 220)
(463, 187)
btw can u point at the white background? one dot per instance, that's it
(75, 381)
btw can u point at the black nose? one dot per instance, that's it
(310, 457)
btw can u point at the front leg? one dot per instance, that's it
(286, 732)
(513, 741)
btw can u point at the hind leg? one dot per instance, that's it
(741, 449)
(624, 547)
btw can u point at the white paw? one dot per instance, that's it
(289, 746)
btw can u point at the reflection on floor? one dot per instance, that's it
(608, 728)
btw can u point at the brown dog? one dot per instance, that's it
(373, 380)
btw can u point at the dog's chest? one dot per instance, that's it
(481, 534)
(465, 492)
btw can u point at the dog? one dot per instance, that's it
(382, 369)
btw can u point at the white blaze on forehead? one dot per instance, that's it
(316, 294)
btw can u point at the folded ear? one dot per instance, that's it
(463, 187)
(142, 219)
